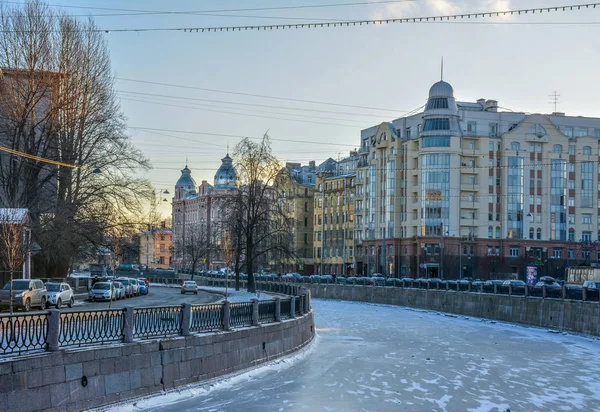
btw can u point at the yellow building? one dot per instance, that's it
(155, 247)
(334, 224)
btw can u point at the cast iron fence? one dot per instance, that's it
(23, 333)
(286, 308)
(240, 314)
(91, 327)
(266, 311)
(207, 317)
(157, 321)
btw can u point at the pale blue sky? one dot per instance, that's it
(390, 67)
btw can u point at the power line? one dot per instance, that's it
(238, 136)
(255, 95)
(248, 104)
(45, 160)
(133, 12)
(248, 114)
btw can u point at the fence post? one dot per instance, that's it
(495, 289)
(293, 307)
(128, 324)
(53, 330)
(564, 292)
(584, 294)
(226, 315)
(447, 286)
(526, 291)
(305, 303)
(544, 292)
(254, 311)
(469, 287)
(277, 309)
(509, 289)
(186, 319)
(428, 284)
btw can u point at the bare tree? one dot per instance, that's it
(58, 103)
(12, 243)
(265, 228)
(196, 245)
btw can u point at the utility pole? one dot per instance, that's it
(322, 228)
(554, 99)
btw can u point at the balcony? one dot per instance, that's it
(469, 204)
(469, 187)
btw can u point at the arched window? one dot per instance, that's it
(539, 233)
(497, 232)
(557, 148)
(587, 150)
(571, 235)
(515, 146)
(531, 233)
(490, 232)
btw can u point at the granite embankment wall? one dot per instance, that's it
(79, 379)
(565, 315)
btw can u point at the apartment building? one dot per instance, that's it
(464, 189)
(155, 247)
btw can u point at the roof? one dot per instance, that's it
(186, 180)
(159, 230)
(226, 176)
(441, 89)
(13, 215)
(340, 176)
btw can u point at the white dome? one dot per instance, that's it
(441, 89)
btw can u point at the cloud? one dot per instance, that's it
(424, 8)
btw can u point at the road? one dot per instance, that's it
(158, 296)
(383, 358)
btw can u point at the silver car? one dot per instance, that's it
(102, 291)
(135, 286)
(120, 292)
(127, 283)
(60, 294)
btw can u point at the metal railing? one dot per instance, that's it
(207, 317)
(286, 308)
(23, 333)
(241, 314)
(53, 330)
(91, 327)
(266, 311)
(157, 321)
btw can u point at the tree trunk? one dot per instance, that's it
(10, 305)
(249, 265)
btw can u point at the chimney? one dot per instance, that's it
(481, 102)
(491, 106)
(312, 164)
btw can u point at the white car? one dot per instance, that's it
(136, 287)
(60, 294)
(189, 286)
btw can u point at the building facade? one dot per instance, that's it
(156, 247)
(198, 216)
(463, 189)
(334, 205)
(295, 187)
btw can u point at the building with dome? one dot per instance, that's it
(198, 214)
(466, 189)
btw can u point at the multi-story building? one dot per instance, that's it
(334, 204)
(296, 188)
(464, 189)
(155, 247)
(198, 217)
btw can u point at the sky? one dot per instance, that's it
(382, 70)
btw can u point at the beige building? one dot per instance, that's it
(155, 247)
(334, 204)
(464, 189)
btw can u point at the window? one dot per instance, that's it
(493, 128)
(539, 234)
(471, 127)
(492, 146)
(490, 232)
(437, 103)
(531, 233)
(586, 219)
(582, 131)
(571, 235)
(515, 146)
(557, 253)
(305, 222)
(306, 238)
(514, 252)
(557, 148)
(571, 219)
(438, 141)
(571, 254)
(436, 124)
(567, 131)
(587, 150)
(497, 232)
(538, 147)
(572, 149)
(586, 237)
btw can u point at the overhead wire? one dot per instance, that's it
(44, 160)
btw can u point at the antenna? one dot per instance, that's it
(554, 99)
(442, 69)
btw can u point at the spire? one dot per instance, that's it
(442, 69)
(186, 158)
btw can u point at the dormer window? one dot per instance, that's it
(437, 103)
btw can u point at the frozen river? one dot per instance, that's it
(384, 358)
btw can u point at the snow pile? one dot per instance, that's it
(237, 295)
(164, 285)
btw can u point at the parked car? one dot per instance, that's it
(493, 282)
(513, 283)
(120, 291)
(128, 286)
(550, 285)
(143, 287)
(60, 294)
(135, 286)
(592, 284)
(27, 293)
(189, 286)
(378, 280)
(102, 291)
(145, 281)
